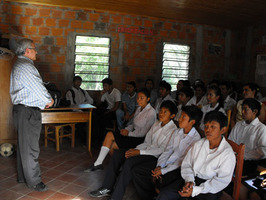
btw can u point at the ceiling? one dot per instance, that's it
(232, 14)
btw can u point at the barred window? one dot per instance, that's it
(92, 60)
(175, 63)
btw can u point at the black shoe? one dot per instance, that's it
(101, 192)
(40, 187)
(94, 168)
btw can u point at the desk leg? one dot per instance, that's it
(89, 133)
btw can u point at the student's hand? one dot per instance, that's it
(126, 117)
(186, 190)
(157, 172)
(124, 132)
(132, 152)
(49, 104)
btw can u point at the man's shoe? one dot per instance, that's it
(101, 192)
(94, 168)
(40, 187)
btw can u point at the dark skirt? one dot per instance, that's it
(127, 142)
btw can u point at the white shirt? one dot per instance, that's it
(175, 152)
(79, 97)
(142, 122)
(179, 109)
(229, 103)
(214, 166)
(112, 98)
(160, 100)
(157, 139)
(202, 102)
(253, 135)
(208, 108)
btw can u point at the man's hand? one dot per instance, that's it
(186, 190)
(157, 172)
(49, 104)
(126, 117)
(132, 152)
(124, 132)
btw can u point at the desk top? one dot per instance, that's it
(73, 107)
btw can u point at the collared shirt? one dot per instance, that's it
(130, 101)
(112, 98)
(202, 102)
(179, 109)
(216, 166)
(175, 152)
(229, 103)
(157, 139)
(142, 122)
(160, 100)
(80, 97)
(26, 85)
(253, 135)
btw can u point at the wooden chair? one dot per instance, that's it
(60, 133)
(228, 123)
(239, 152)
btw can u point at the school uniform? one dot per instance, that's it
(229, 103)
(80, 97)
(202, 102)
(111, 98)
(211, 171)
(169, 161)
(179, 109)
(154, 144)
(160, 100)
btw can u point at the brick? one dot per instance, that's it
(57, 14)
(116, 19)
(94, 17)
(37, 21)
(49, 58)
(193, 29)
(131, 62)
(61, 78)
(60, 59)
(137, 22)
(31, 30)
(57, 31)
(5, 8)
(4, 28)
(168, 26)
(128, 37)
(76, 24)
(148, 39)
(137, 54)
(147, 23)
(24, 20)
(51, 77)
(11, 19)
(43, 12)
(50, 22)
(44, 31)
(163, 33)
(16, 9)
(81, 31)
(61, 41)
(82, 16)
(63, 23)
(191, 36)
(70, 15)
(36, 39)
(69, 30)
(127, 20)
(17, 29)
(55, 50)
(173, 34)
(88, 25)
(136, 70)
(30, 11)
(55, 68)
(105, 19)
(112, 27)
(182, 35)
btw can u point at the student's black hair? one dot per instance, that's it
(132, 83)
(186, 83)
(202, 86)
(146, 92)
(165, 85)
(77, 78)
(252, 86)
(217, 92)
(194, 113)
(187, 91)
(170, 106)
(227, 84)
(214, 82)
(253, 104)
(149, 80)
(216, 116)
(107, 81)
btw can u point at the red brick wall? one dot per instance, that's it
(50, 26)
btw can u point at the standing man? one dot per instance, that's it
(28, 96)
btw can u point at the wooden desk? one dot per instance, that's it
(71, 114)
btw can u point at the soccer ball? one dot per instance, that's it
(6, 149)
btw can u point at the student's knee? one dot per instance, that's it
(109, 136)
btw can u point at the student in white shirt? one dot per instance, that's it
(153, 146)
(229, 102)
(208, 166)
(200, 98)
(133, 135)
(164, 92)
(76, 95)
(167, 168)
(149, 85)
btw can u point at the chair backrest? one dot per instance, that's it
(239, 152)
(228, 123)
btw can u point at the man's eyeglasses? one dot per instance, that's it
(33, 48)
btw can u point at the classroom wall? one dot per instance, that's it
(215, 51)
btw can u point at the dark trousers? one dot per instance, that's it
(28, 123)
(171, 192)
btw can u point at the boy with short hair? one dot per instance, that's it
(154, 144)
(167, 168)
(208, 166)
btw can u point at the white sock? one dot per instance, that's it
(103, 153)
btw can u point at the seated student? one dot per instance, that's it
(167, 168)
(132, 135)
(149, 85)
(199, 99)
(215, 102)
(180, 84)
(249, 91)
(105, 113)
(154, 144)
(229, 102)
(207, 167)
(164, 92)
(125, 114)
(76, 95)
(185, 95)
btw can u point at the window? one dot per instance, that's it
(175, 63)
(92, 58)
